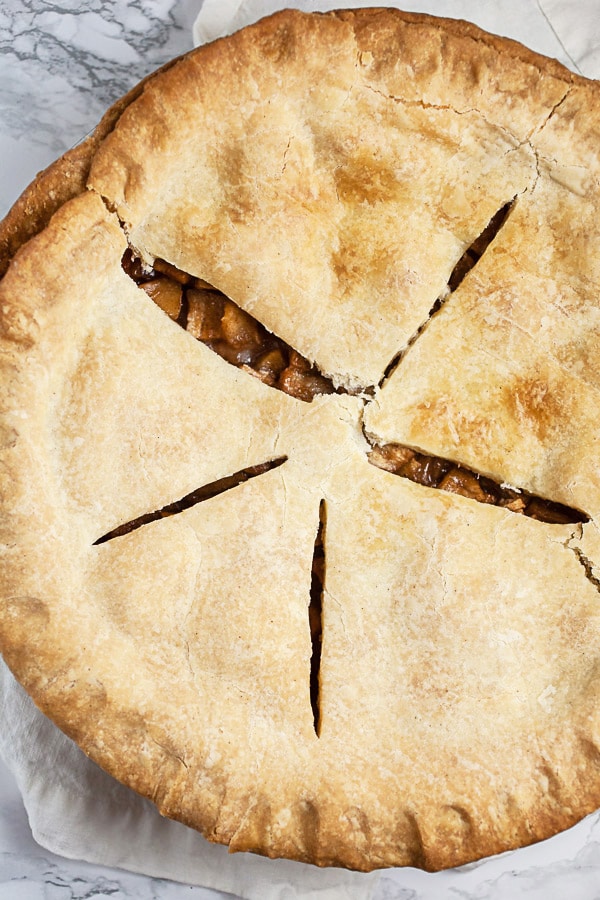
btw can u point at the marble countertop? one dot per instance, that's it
(61, 65)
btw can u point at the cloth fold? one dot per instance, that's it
(74, 808)
(577, 29)
(78, 811)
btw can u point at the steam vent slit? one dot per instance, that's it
(468, 260)
(228, 330)
(445, 475)
(315, 616)
(197, 496)
(475, 251)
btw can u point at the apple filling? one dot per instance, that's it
(218, 322)
(237, 337)
(434, 472)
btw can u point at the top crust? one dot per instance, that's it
(293, 165)
(327, 173)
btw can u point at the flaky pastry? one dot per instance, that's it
(295, 283)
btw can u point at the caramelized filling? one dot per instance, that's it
(218, 322)
(434, 472)
(237, 337)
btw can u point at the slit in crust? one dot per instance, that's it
(315, 616)
(211, 317)
(197, 496)
(434, 472)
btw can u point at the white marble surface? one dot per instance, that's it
(61, 64)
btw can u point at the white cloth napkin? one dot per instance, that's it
(74, 808)
(577, 28)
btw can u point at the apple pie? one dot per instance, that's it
(300, 443)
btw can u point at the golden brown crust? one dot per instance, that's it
(505, 50)
(530, 307)
(59, 182)
(326, 194)
(458, 684)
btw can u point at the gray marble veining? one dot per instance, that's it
(63, 63)
(41, 878)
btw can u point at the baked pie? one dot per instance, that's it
(300, 441)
